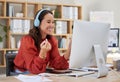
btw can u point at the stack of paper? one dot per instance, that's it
(35, 78)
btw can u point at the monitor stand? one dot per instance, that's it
(101, 65)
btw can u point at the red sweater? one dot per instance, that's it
(28, 57)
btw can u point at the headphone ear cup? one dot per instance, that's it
(36, 22)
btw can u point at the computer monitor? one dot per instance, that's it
(113, 45)
(85, 35)
(113, 38)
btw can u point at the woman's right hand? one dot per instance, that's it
(45, 47)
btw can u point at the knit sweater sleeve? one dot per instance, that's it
(28, 57)
(57, 61)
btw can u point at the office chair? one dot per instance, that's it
(10, 64)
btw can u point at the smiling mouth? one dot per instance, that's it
(50, 29)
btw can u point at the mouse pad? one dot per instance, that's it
(59, 71)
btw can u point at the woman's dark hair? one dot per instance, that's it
(35, 31)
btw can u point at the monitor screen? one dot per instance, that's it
(113, 38)
(85, 36)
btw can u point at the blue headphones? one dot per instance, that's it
(36, 20)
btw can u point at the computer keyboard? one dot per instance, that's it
(80, 73)
(84, 69)
(90, 69)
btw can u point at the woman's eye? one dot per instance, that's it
(48, 22)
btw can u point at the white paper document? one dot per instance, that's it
(35, 78)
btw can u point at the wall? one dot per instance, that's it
(100, 5)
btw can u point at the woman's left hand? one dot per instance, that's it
(67, 54)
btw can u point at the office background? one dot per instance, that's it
(92, 5)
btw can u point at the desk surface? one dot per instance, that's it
(112, 76)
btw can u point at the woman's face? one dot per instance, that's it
(47, 25)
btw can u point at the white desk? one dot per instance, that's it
(112, 76)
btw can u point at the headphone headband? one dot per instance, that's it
(36, 20)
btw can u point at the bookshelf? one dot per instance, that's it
(14, 13)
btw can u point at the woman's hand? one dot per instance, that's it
(45, 47)
(67, 54)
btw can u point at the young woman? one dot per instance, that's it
(39, 48)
